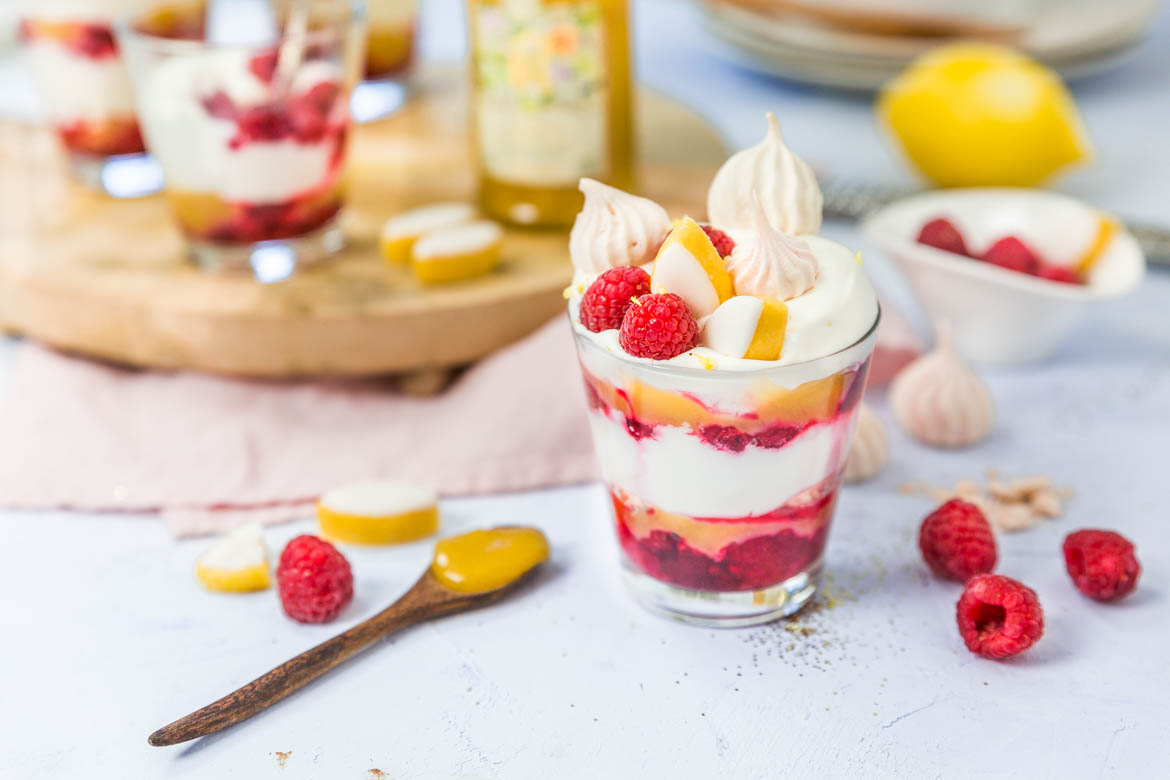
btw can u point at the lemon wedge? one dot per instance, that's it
(405, 228)
(976, 114)
(456, 253)
(236, 563)
(378, 512)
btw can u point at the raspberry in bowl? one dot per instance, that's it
(1013, 271)
(722, 407)
(251, 138)
(84, 87)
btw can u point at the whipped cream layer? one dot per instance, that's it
(676, 471)
(76, 88)
(194, 147)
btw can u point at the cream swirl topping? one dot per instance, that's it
(615, 228)
(770, 264)
(786, 186)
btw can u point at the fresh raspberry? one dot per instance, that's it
(1013, 254)
(219, 105)
(1057, 273)
(95, 41)
(999, 617)
(1102, 564)
(942, 234)
(956, 541)
(605, 302)
(263, 66)
(263, 123)
(315, 580)
(721, 241)
(321, 96)
(659, 327)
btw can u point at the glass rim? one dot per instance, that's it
(124, 28)
(703, 372)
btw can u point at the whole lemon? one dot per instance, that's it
(974, 114)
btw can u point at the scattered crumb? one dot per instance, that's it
(1011, 505)
(1045, 503)
(377, 774)
(281, 757)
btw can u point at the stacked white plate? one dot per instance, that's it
(1076, 37)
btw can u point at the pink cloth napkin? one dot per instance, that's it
(209, 453)
(206, 451)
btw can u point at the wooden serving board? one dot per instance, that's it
(108, 278)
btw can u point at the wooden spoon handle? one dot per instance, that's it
(423, 601)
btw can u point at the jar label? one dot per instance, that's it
(542, 100)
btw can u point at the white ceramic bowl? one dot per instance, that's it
(1000, 316)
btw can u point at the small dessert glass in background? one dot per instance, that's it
(390, 47)
(389, 55)
(723, 483)
(86, 92)
(251, 138)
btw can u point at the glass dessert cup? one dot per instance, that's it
(251, 139)
(390, 43)
(389, 57)
(723, 482)
(86, 91)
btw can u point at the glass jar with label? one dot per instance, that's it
(551, 104)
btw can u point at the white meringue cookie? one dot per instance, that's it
(940, 401)
(771, 264)
(729, 329)
(870, 450)
(676, 270)
(615, 228)
(786, 186)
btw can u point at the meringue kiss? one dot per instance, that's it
(870, 450)
(940, 401)
(769, 264)
(615, 228)
(786, 186)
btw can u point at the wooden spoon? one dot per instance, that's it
(428, 599)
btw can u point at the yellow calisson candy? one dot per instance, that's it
(236, 563)
(977, 114)
(747, 327)
(401, 231)
(457, 253)
(480, 561)
(689, 266)
(378, 512)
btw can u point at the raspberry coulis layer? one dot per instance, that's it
(753, 564)
(84, 39)
(103, 139)
(270, 221)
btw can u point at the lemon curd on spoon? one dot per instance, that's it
(480, 561)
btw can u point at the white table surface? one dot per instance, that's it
(107, 636)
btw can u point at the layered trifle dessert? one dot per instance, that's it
(723, 364)
(83, 83)
(251, 139)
